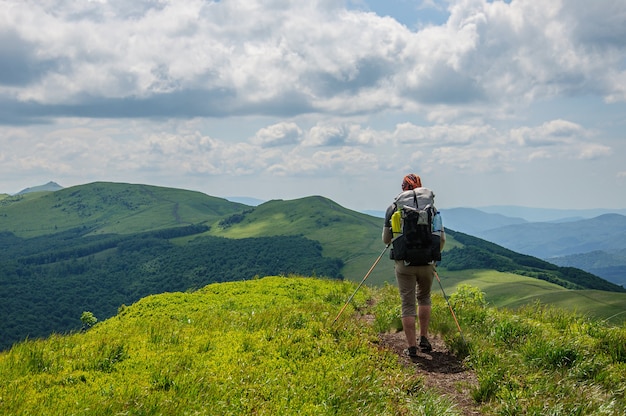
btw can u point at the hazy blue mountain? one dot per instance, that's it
(565, 238)
(549, 215)
(610, 265)
(374, 213)
(50, 186)
(545, 240)
(253, 202)
(473, 221)
(462, 218)
(466, 220)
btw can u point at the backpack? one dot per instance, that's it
(416, 244)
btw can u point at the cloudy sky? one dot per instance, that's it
(519, 102)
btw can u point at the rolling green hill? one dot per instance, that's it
(105, 207)
(510, 290)
(258, 347)
(98, 246)
(270, 346)
(610, 265)
(349, 235)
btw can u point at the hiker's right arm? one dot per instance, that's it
(387, 235)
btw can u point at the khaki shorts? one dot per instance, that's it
(414, 284)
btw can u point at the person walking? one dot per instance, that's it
(414, 280)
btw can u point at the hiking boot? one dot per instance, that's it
(411, 352)
(425, 345)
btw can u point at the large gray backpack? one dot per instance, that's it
(416, 245)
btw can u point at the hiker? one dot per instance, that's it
(414, 280)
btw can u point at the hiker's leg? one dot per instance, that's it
(407, 286)
(425, 276)
(423, 312)
(408, 323)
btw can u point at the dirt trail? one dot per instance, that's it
(442, 371)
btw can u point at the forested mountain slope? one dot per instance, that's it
(98, 246)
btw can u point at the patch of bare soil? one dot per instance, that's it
(442, 371)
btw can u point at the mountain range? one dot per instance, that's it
(593, 240)
(596, 244)
(102, 245)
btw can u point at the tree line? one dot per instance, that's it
(47, 282)
(481, 254)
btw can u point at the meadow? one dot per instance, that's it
(514, 291)
(269, 346)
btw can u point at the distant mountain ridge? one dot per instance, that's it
(587, 243)
(99, 245)
(531, 214)
(253, 202)
(50, 186)
(610, 264)
(545, 240)
(473, 221)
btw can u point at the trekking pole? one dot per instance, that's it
(362, 281)
(449, 306)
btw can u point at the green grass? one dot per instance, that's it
(542, 360)
(514, 291)
(262, 347)
(269, 346)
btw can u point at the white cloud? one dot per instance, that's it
(340, 134)
(560, 139)
(314, 89)
(331, 59)
(333, 163)
(278, 134)
(442, 134)
(588, 151)
(550, 133)
(473, 159)
(326, 135)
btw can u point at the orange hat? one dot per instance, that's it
(411, 181)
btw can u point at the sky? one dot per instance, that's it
(519, 102)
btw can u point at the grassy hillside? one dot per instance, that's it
(270, 346)
(349, 235)
(610, 265)
(260, 347)
(101, 245)
(48, 281)
(105, 207)
(515, 291)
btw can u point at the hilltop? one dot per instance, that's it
(102, 245)
(271, 346)
(48, 187)
(105, 207)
